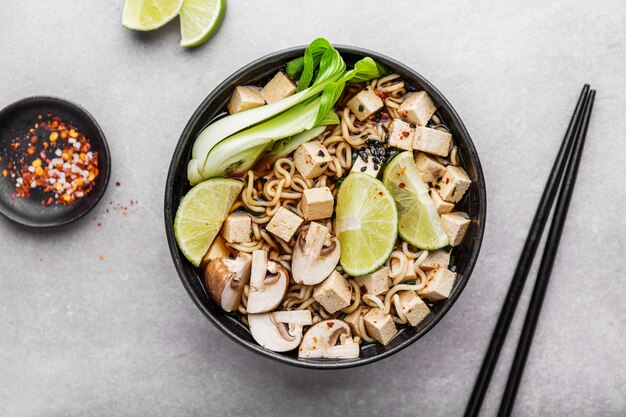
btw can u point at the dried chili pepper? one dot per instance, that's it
(53, 156)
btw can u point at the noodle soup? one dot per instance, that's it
(276, 262)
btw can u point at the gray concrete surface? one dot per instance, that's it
(118, 336)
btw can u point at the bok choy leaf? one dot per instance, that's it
(230, 155)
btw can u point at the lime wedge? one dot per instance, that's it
(199, 20)
(149, 14)
(366, 223)
(419, 222)
(201, 214)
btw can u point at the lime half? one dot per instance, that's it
(149, 14)
(419, 222)
(199, 20)
(201, 214)
(366, 223)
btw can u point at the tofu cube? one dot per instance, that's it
(439, 258)
(430, 169)
(380, 325)
(334, 293)
(317, 203)
(370, 167)
(401, 135)
(364, 104)
(311, 159)
(439, 284)
(244, 98)
(237, 228)
(353, 320)
(455, 227)
(284, 224)
(218, 249)
(409, 268)
(432, 141)
(376, 282)
(453, 184)
(441, 205)
(278, 88)
(414, 309)
(417, 108)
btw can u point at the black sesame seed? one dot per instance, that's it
(363, 169)
(412, 125)
(375, 166)
(322, 165)
(430, 184)
(320, 152)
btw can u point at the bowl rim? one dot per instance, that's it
(103, 149)
(178, 259)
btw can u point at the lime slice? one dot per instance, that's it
(201, 214)
(199, 20)
(149, 14)
(366, 223)
(419, 222)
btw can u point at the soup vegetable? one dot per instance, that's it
(323, 207)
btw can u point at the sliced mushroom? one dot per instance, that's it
(315, 255)
(225, 279)
(329, 339)
(268, 283)
(279, 331)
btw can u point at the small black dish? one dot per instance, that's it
(474, 203)
(29, 211)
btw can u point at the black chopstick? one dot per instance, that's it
(545, 268)
(525, 261)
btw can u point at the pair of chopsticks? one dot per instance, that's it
(563, 176)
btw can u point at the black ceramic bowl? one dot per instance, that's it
(30, 212)
(474, 203)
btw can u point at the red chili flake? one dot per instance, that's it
(406, 134)
(66, 174)
(117, 183)
(401, 185)
(330, 324)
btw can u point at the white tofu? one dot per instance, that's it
(334, 293)
(376, 282)
(455, 227)
(353, 320)
(244, 98)
(439, 258)
(365, 103)
(370, 167)
(380, 325)
(430, 168)
(284, 224)
(409, 268)
(278, 88)
(432, 141)
(441, 205)
(237, 228)
(454, 183)
(414, 309)
(417, 108)
(311, 159)
(317, 203)
(218, 249)
(401, 135)
(439, 284)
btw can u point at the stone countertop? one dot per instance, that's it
(94, 320)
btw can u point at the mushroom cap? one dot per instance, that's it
(312, 260)
(268, 284)
(279, 332)
(225, 279)
(329, 339)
